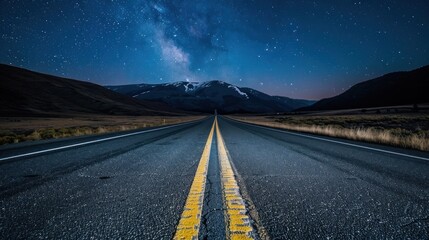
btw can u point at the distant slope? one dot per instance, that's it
(28, 93)
(208, 96)
(399, 88)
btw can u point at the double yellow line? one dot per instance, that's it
(190, 220)
(236, 220)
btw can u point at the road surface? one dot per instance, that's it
(212, 179)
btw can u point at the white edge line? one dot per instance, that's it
(333, 141)
(90, 142)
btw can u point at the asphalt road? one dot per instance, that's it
(135, 186)
(305, 188)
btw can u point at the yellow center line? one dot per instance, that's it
(189, 223)
(237, 222)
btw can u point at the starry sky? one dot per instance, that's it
(300, 49)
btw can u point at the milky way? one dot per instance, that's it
(301, 49)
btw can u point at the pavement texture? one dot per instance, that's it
(306, 188)
(135, 187)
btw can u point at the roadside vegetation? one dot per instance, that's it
(401, 130)
(15, 130)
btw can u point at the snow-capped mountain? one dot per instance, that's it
(207, 96)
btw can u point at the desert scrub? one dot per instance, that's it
(8, 136)
(20, 129)
(407, 131)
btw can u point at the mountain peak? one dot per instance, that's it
(218, 82)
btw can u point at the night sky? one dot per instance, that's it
(300, 49)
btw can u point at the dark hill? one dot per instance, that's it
(393, 89)
(28, 93)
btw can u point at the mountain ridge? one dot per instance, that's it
(210, 95)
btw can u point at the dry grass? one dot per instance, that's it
(14, 130)
(407, 131)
